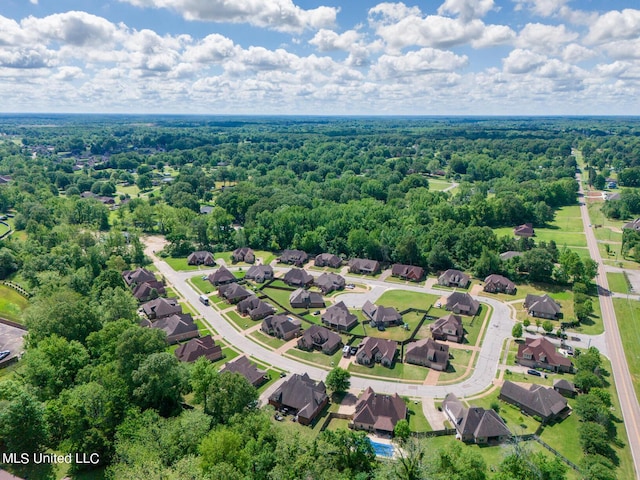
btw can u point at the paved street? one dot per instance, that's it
(621, 374)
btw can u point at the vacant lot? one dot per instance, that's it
(401, 300)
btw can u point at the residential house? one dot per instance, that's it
(454, 278)
(293, 257)
(329, 282)
(633, 225)
(542, 306)
(178, 327)
(148, 290)
(161, 307)
(243, 254)
(259, 273)
(499, 284)
(407, 272)
(536, 400)
(201, 258)
(338, 317)
(565, 388)
(302, 298)
(364, 266)
(255, 308)
(222, 276)
(327, 260)
(297, 277)
(248, 370)
(541, 353)
(199, 347)
(509, 254)
(320, 338)
(281, 326)
(448, 328)
(428, 353)
(525, 230)
(205, 209)
(462, 303)
(376, 350)
(381, 316)
(301, 396)
(138, 276)
(475, 424)
(378, 413)
(233, 293)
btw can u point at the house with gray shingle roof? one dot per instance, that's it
(379, 413)
(453, 278)
(329, 282)
(379, 315)
(475, 424)
(222, 276)
(302, 298)
(377, 350)
(448, 328)
(320, 338)
(281, 326)
(339, 317)
(542, 306)
(297, 277)
(247, 369)
(544, 402)
(462, 303)
(428, 353)
(302, 396)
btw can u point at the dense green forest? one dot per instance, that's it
(92, 380)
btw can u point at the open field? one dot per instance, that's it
(11, 304)
(401, 300)
(438, 185)
(628, 316)
(618, 282)
(180, 264)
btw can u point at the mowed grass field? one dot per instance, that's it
(566, 229)
(628, 316)
(11, 304)
(401, 300)
(617, 282)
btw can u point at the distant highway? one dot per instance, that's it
(619, 366)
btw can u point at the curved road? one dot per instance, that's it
(619, 366)
(498, 328)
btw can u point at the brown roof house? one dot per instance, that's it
(281, 326)
(499, 284)
(259, 273)
(317, 337)
(293, 257)
(541, 353)
(377, 350)
(201, 257)
(178, 327)
(148, 290)
(161, 307)
(381, 316)
(338, 317)
(565, 388)
(462, 303)
(222, 276)
(243, 254)
(475, 424)
(364, 266)
(544, 402)
(327, 260)
(329, 282)
(302, 298)
(542, 306)
(428, 353)
(138, 276)
(525, 230)
(448, 328)
(407, 272)
(296, 277)
(255, 308)
(199, 347)
(248, 370)
(302, 396)
(233, 293)
(378, 413)
(453, 278)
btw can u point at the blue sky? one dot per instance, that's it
(441, 57)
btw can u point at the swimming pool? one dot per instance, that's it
(382, 449)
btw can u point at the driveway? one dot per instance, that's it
(11, 338)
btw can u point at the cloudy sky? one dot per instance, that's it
(432, 57)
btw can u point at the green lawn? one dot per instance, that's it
(131, 190)
(180, 264)
(226, 256)
(403, 371)
(316, 358)
(618, 282)
(242, 322)
(438, 185)
(11, 304)
(562, 437)
(402, 299)
(417, 421)
(267, 257)
(282, 297)
(268, 340)
(4, 228)
(201, 285)
(628, 317)
(457, 366)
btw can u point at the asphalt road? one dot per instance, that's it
(619, 366)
